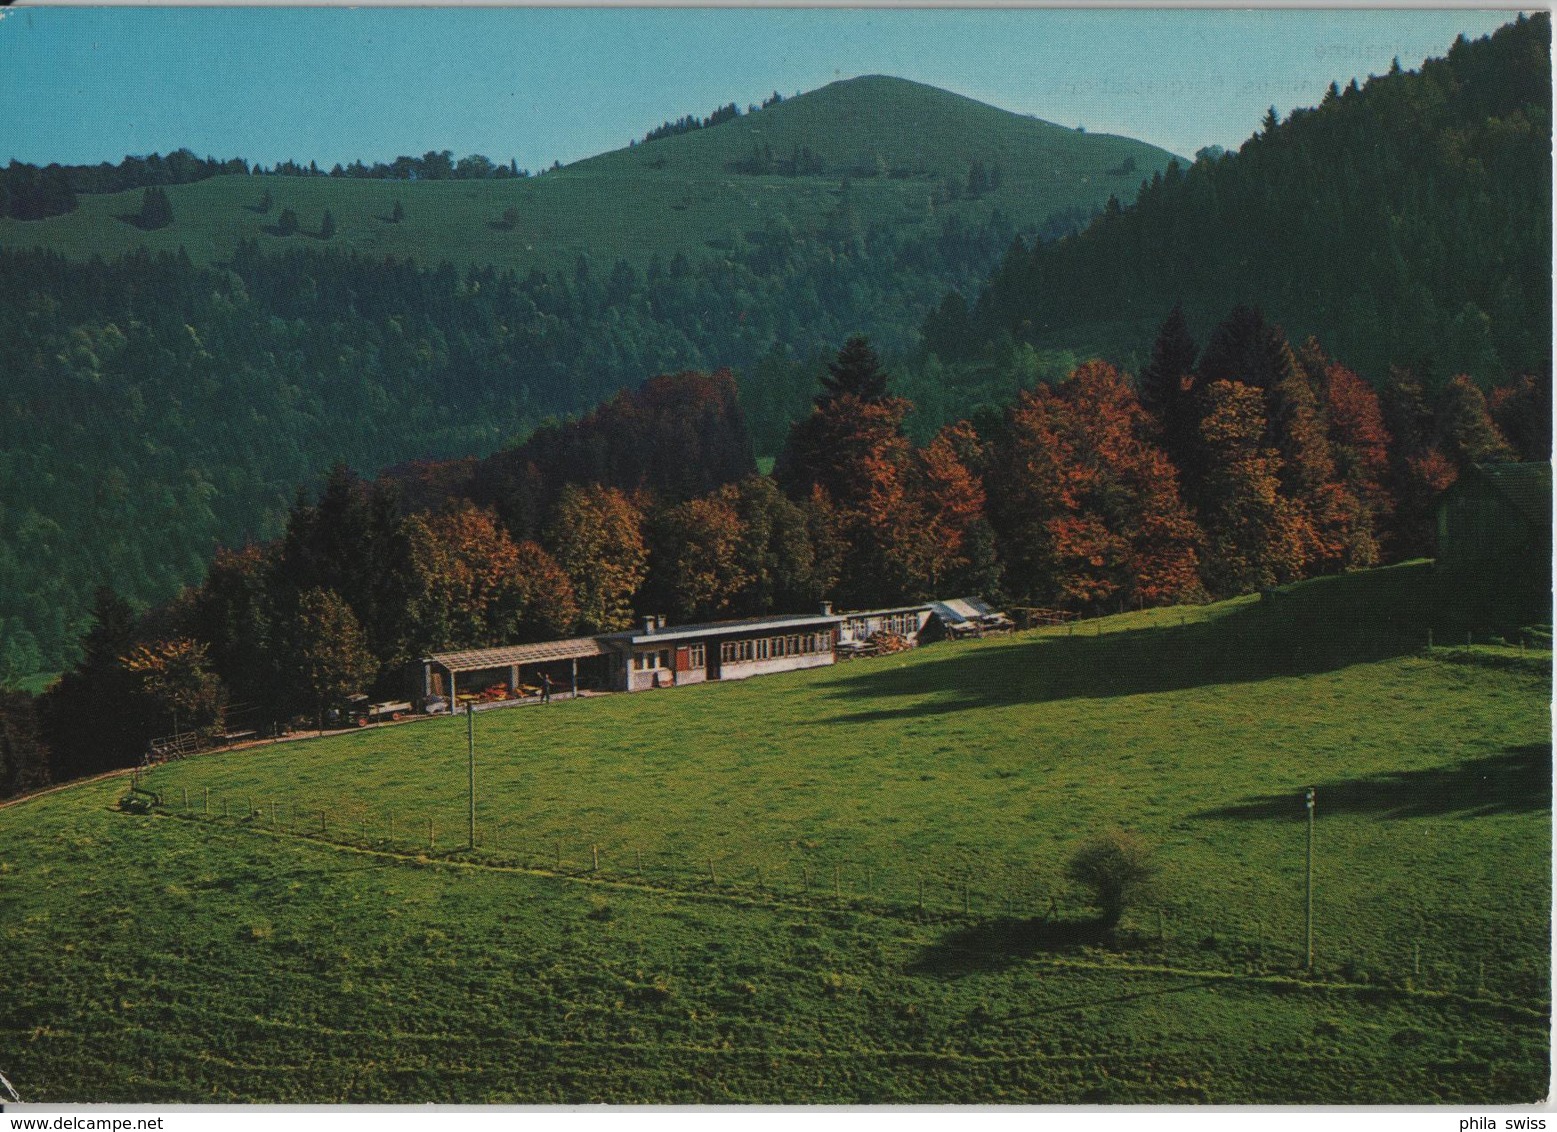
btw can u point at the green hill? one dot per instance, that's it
(898, 144)
(846, 885)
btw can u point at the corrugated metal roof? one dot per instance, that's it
(470, 660)
(715, 628)
(959, 609)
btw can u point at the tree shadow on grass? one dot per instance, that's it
(995, 945)
(1518, 780)
(1316, 626)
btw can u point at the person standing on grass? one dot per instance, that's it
(545, 687)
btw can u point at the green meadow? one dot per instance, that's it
(845, 885)
(896, 144)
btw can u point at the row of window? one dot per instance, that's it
(657, 659)
(768, 648)
(903, 624)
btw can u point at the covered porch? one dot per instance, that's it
(449, 681)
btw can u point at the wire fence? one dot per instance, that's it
(1000, 907)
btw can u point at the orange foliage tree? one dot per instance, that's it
(1255, 535)
(475, 586)
(176, 677)
(901, 516)
(596, 537)
(1086, 506)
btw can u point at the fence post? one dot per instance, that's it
(186, 798)
(711, 874)
(226, 810)
(594, 852)
(432, 842)
(805, 880)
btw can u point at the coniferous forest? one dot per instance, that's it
(1310, 340)
(1405, 222)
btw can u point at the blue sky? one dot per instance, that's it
(332, 84)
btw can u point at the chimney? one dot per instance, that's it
(827, 609)
(648, 623)
(659, 621)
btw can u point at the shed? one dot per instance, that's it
(447, 676)
(1497, 514)
(969, 617)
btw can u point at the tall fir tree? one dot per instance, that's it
(856, 371)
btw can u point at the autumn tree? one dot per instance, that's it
(776, 549)
(536, 601)
(956, 524)
(1085, 504)
(1336, 528)
(900, 517)
(1522, 411)
(596, 536)
(698, 567)
(1254, 535)
(176, 678)
(1419, 469)
(1463, 427)
(1359, 440)
(461, 560)
(329, 652)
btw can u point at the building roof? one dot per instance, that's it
(1527, 488)
(887, 612)
(959, 610)
(471, 660)
(719, 628)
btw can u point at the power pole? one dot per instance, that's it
(470, 736)
(1308, 919)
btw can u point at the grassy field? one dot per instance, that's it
(677, 194)
(753, 928)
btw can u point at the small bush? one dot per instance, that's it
(1117, 869)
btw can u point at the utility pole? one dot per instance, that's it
(1308, 919)
(470, 736)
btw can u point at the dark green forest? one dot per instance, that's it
(205, 397)
(1404, 222)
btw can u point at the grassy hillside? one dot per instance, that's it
(753, 929)
(897, 143)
